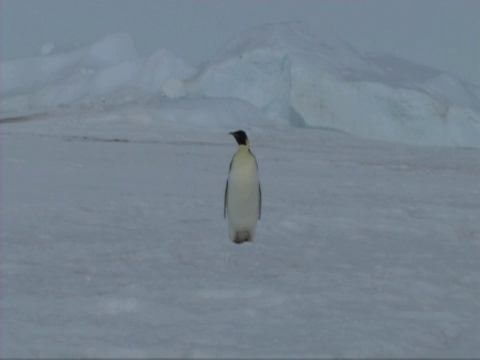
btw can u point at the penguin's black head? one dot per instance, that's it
(240, 136)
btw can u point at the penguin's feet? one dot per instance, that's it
(239, 241)
(239, 237)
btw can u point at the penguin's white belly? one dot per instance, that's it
(243, 199)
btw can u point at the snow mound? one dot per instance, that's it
(111, 50)
(321, 81)
(289, 75)
(87, 76)
(209, 113)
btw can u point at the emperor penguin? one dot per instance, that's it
(243, 196)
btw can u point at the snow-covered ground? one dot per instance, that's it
(113, 242)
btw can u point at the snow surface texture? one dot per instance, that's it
(292, 78)
(113, 237)
(114, 243)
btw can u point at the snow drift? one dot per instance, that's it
(293, 78)
(110, 69)
(322, 81)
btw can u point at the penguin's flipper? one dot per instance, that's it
(225, 202)
(259, 201)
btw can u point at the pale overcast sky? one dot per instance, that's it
(440, 33)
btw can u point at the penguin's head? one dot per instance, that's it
(240, 136)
